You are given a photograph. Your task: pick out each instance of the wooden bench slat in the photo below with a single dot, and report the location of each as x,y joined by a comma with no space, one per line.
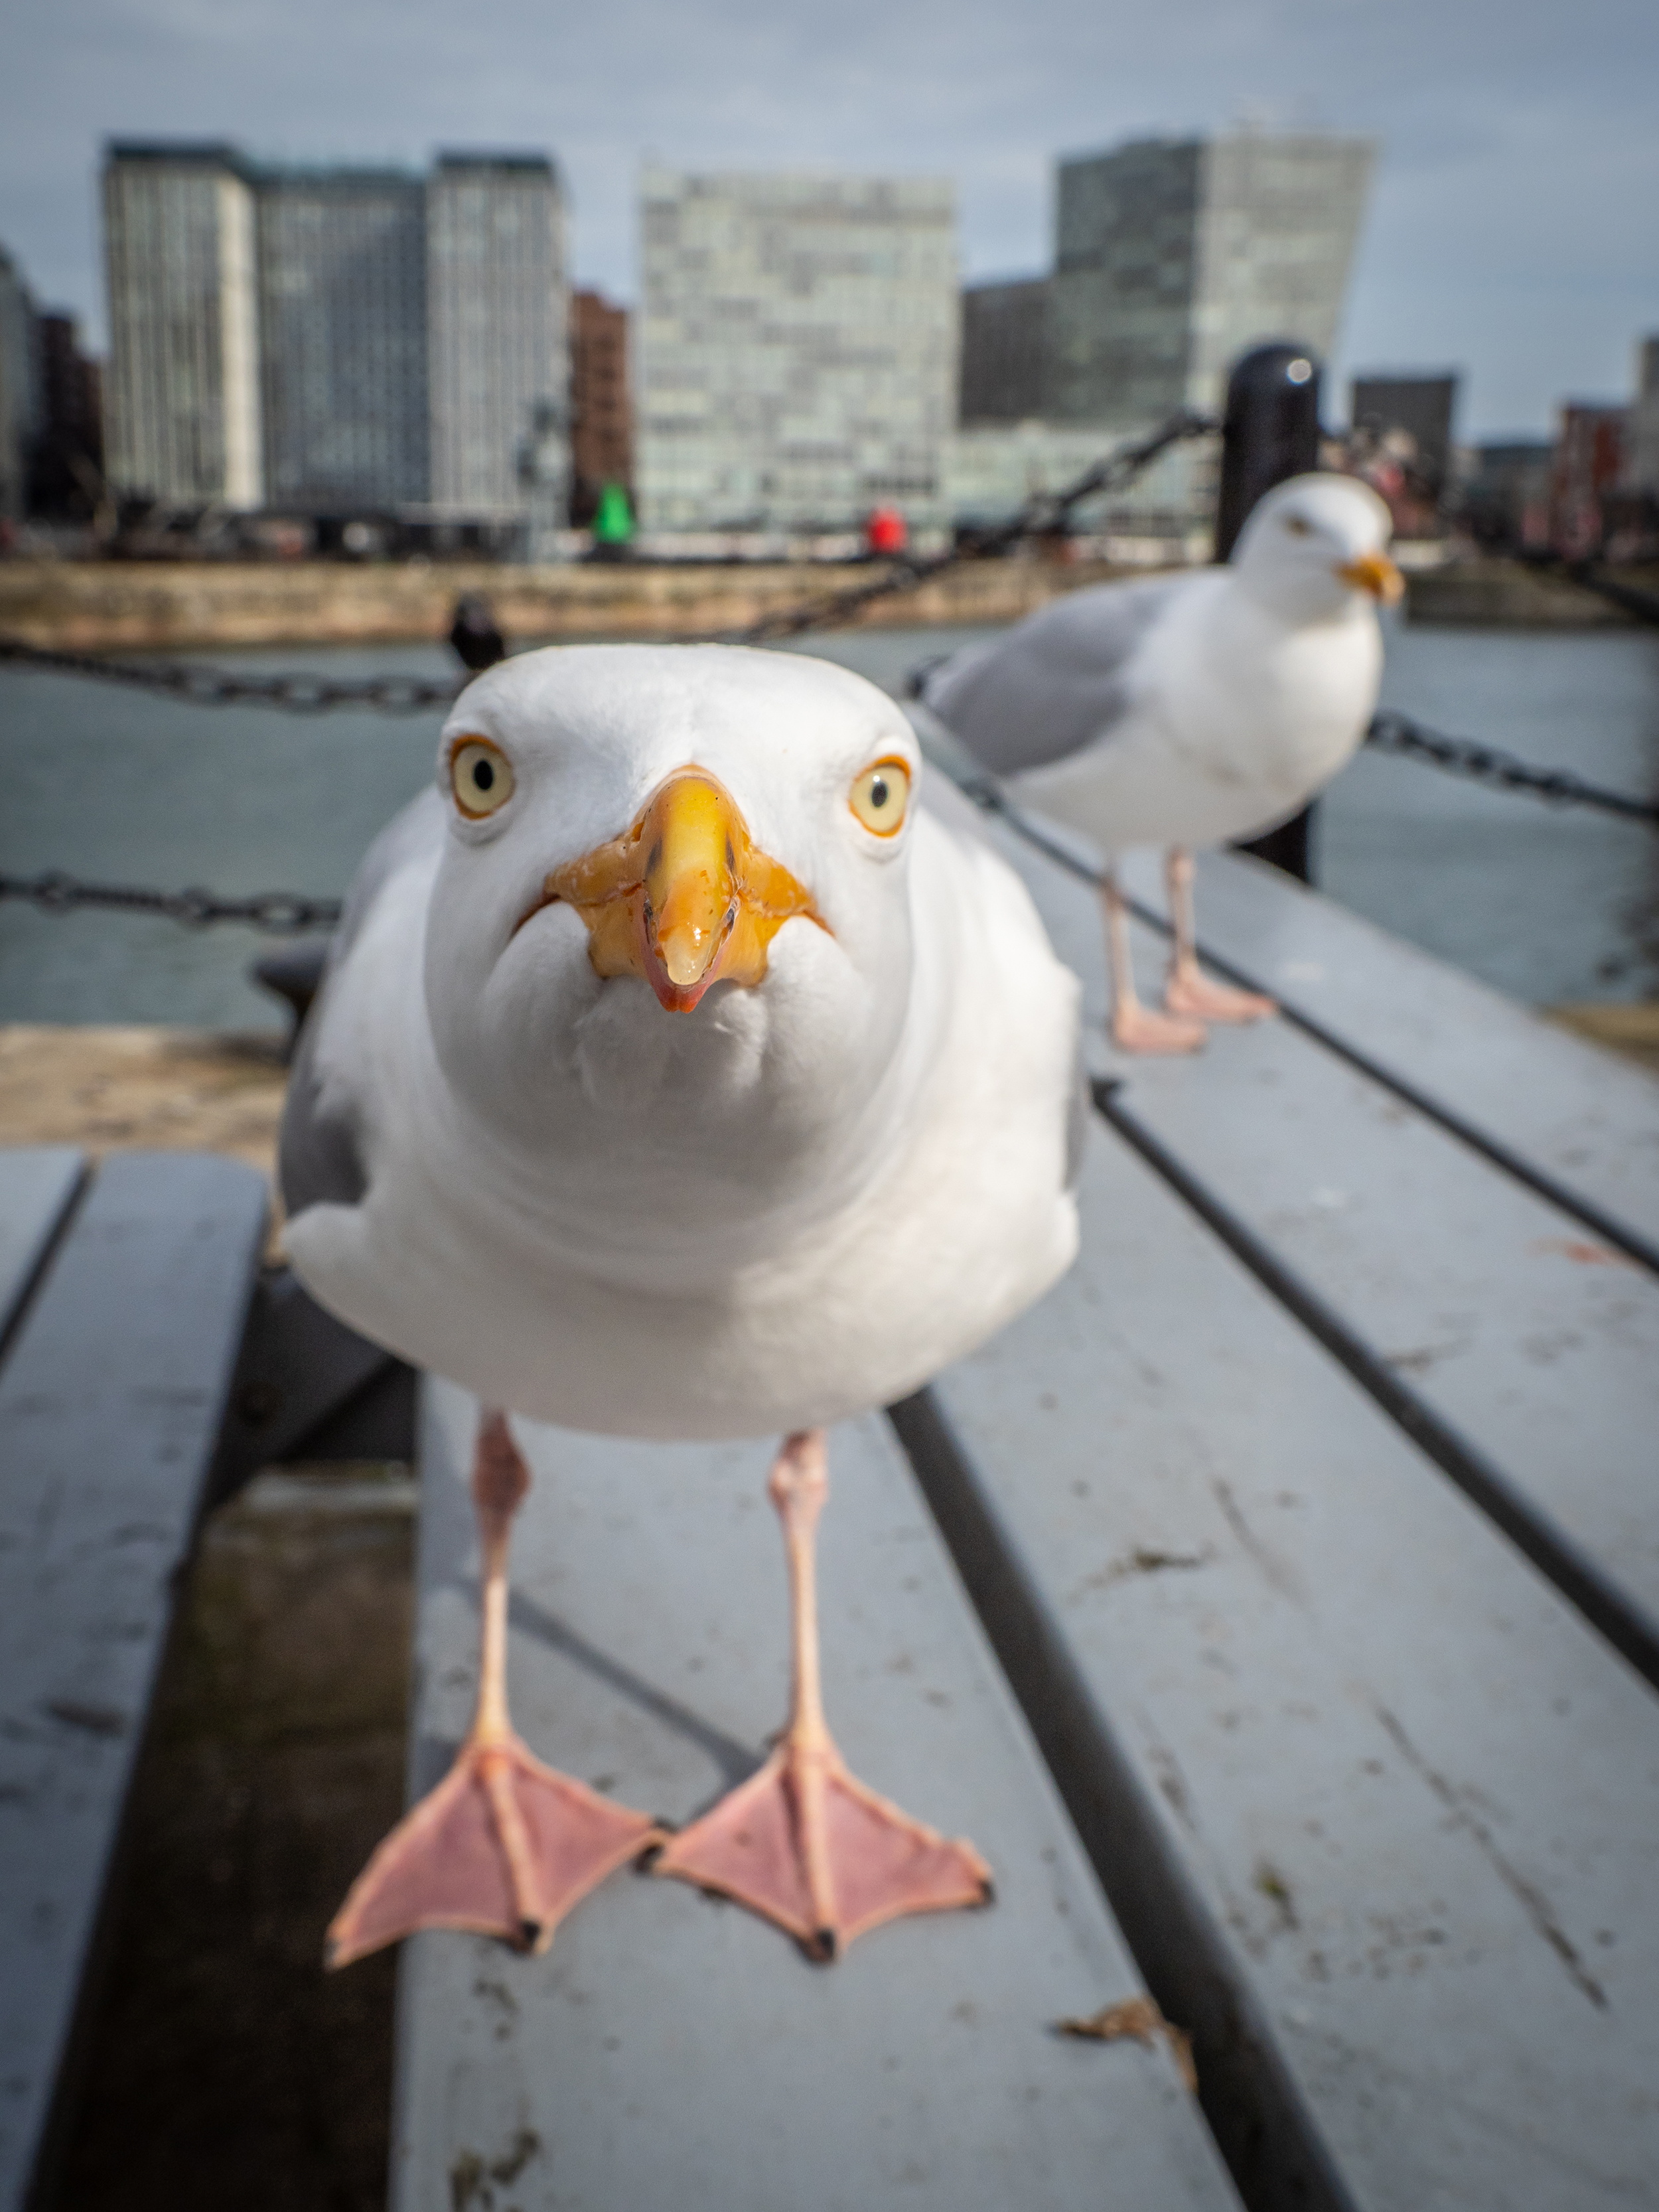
110,1403
37,1185
1278,1657
1565,1110
1529,1349
671,2050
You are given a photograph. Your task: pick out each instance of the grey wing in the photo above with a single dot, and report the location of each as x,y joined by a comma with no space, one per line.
1057,682
320,1158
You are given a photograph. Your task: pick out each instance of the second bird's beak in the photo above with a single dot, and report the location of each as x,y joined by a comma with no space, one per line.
684,897
1376,574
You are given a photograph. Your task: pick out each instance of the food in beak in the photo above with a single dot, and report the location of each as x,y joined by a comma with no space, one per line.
1376,574
684,897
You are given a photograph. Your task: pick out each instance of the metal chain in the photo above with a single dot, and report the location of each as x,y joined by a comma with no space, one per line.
278,914
1399,733
284,914
299,694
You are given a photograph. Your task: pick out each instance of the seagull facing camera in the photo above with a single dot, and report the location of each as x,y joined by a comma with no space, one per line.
1191,709
678,1073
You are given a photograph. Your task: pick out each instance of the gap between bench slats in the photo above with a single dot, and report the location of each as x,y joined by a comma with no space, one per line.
1281,1669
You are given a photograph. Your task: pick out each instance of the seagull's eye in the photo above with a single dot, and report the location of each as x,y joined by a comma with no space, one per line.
481,777
1297,525
879,796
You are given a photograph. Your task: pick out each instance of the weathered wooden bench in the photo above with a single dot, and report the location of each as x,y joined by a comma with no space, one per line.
123,1297
147,1368
1283,1630
1312,1521
1315,1518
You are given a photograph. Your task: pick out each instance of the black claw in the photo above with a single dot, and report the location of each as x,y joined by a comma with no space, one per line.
822,1947
988,1894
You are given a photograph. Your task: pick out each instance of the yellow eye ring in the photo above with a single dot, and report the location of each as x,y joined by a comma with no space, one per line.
879,796
480,777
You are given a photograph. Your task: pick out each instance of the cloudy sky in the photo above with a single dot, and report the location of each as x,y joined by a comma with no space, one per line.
1514,226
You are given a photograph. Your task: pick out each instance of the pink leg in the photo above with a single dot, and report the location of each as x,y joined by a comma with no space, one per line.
1136,1028
802,1842
504,1845
1188,990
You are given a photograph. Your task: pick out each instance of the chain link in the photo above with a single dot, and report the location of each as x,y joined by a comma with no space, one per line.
278,914
301,694
1398,733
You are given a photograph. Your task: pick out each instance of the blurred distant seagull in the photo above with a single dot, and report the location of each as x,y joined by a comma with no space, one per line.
1189,710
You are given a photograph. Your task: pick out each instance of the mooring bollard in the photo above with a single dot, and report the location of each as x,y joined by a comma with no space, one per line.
1270,431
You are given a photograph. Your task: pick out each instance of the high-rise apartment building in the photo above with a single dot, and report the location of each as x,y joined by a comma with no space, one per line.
183,413
497,306
1174,257
331,339
343,332
796,350
20,389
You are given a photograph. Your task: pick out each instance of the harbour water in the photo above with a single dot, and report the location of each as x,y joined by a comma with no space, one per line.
1549,904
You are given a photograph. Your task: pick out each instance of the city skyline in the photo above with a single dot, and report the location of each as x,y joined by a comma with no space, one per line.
1514,229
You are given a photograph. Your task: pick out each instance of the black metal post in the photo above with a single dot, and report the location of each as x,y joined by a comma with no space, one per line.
1270,432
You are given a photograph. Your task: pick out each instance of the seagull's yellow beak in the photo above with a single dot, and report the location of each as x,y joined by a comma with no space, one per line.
684,897
1376,574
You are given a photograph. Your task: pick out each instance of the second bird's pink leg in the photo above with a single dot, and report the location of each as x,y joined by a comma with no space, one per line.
504,1845
1188,989
1136,1028
802,1842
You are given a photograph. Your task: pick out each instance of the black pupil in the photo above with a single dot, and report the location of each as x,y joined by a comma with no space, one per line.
483,774
879,791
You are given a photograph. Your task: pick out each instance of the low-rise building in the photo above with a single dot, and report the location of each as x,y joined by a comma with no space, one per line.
602,414
1005,351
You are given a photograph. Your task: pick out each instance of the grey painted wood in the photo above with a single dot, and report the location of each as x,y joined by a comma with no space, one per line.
671,2051
1576,1114
1530,1348
1416,1798
110,1403
38,1184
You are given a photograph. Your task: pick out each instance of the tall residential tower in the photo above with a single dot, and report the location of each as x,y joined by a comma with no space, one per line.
343,338
183,413
497,304
1174,257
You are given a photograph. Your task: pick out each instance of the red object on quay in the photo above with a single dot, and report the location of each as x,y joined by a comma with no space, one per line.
885,532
